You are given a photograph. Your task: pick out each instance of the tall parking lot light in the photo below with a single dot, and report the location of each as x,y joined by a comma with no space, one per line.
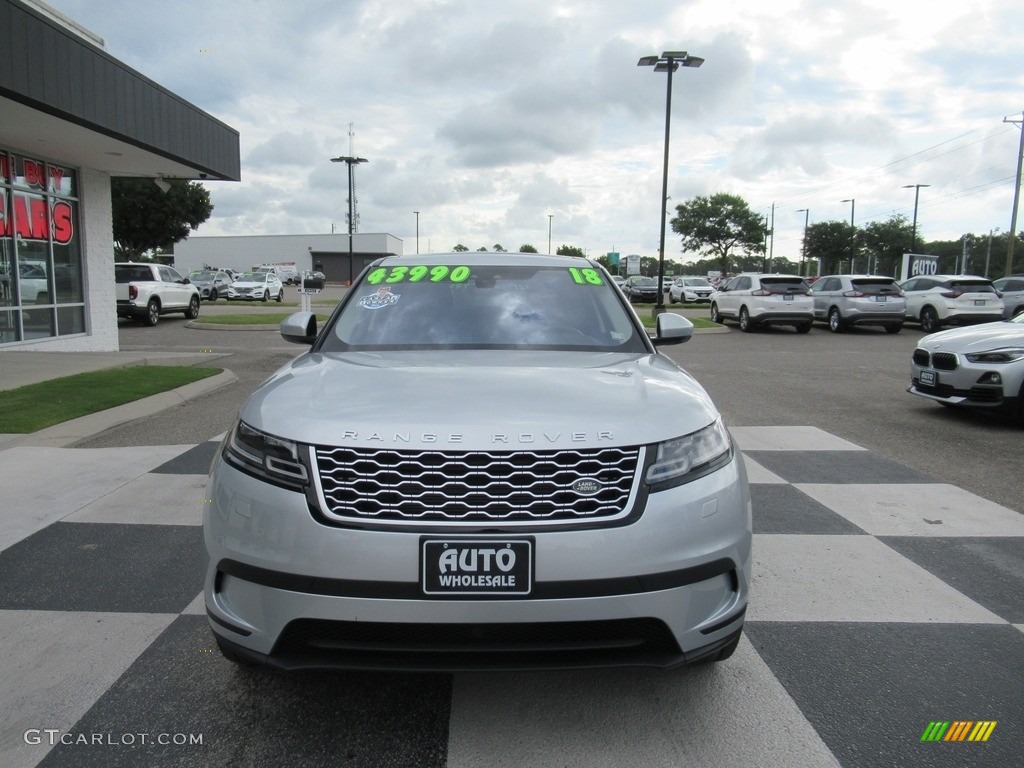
805,267
913,227
668,62
853,231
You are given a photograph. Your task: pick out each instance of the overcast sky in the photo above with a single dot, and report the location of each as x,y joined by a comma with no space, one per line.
489,116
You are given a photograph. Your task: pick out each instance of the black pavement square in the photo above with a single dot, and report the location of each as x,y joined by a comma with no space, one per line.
870,690
256,717
103,567
194,461
989,570
844,467
780,508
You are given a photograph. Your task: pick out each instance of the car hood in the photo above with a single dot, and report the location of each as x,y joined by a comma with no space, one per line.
975,338
479,400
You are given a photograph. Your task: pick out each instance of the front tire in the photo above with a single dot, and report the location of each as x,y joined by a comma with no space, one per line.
835,322
804,327
894,328
213,294
929,320
266,296
716,316
280,296
152,316
746,325
193,308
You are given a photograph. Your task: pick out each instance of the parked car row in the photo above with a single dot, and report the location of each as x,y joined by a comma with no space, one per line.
845,301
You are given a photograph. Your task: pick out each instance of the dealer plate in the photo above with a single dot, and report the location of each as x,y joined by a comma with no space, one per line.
476,566
929,379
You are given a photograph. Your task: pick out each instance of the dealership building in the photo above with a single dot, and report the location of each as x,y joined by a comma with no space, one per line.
338,257
73,117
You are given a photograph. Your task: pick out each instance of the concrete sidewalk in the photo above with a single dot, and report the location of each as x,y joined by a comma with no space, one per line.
18,369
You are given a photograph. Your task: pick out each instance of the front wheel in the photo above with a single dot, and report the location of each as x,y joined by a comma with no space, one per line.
745,324
213,294
804,327
280,296
835,322
266,296
193,308
929,320
152,316
716,316
894,328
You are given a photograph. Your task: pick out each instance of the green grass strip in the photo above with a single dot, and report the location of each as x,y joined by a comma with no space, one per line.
33,407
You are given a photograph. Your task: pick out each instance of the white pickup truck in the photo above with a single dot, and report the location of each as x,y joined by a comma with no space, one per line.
146,291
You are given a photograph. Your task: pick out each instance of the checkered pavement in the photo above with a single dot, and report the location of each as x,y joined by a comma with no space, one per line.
882,600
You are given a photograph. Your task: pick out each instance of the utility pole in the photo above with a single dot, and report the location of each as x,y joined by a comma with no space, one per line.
771,245
1016,195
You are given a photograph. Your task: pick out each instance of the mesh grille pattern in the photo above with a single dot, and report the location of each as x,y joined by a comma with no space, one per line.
922,358
476,486
944,361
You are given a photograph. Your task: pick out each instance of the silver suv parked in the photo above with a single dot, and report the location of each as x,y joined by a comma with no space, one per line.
755,299
852,300
455,476
937,300
1012,290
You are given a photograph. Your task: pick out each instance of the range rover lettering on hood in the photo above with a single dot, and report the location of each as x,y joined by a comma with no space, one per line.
507,438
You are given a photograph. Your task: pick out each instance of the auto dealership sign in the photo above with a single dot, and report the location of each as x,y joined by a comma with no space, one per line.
31,215
915,264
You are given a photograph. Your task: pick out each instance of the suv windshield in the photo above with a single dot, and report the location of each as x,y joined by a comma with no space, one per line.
875,286
128,273
972,286
484,307
783,285
697,281
202,276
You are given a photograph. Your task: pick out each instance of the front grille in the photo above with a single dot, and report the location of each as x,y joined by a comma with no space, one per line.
469,646
922,358
368,484
944,361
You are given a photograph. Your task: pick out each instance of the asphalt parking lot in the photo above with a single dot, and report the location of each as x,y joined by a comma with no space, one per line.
889,574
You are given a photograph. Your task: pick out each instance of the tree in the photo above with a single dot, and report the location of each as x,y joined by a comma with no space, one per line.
570,250
714,225
498,248
482,249
527,248
145,217
886,242
460,248
830,242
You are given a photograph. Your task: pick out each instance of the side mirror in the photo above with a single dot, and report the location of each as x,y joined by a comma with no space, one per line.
672,329
186,281
299,328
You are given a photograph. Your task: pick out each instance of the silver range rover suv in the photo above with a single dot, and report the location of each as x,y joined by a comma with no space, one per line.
481,463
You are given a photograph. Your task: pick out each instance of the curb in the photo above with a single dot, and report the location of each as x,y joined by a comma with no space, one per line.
69,433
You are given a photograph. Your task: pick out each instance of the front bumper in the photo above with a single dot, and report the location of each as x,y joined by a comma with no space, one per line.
668,589
969,385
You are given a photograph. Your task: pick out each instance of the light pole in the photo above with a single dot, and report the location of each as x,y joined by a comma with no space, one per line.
913,227
350,161
853,231
1016,197
988,256
805,267
550,217
668,62
417,231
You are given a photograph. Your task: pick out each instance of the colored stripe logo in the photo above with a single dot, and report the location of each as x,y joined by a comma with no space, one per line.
958,730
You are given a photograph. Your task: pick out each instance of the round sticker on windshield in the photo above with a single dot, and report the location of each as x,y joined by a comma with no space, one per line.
383,297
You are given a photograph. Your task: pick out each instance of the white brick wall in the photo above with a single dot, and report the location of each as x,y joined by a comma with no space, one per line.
97,242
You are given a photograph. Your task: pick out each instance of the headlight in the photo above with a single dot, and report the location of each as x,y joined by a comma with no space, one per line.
689,457
1008,355
270,458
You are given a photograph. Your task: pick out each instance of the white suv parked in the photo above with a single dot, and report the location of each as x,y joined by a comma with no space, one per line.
754,299
937,300
690,289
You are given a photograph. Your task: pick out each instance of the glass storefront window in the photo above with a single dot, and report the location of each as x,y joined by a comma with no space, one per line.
40,251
